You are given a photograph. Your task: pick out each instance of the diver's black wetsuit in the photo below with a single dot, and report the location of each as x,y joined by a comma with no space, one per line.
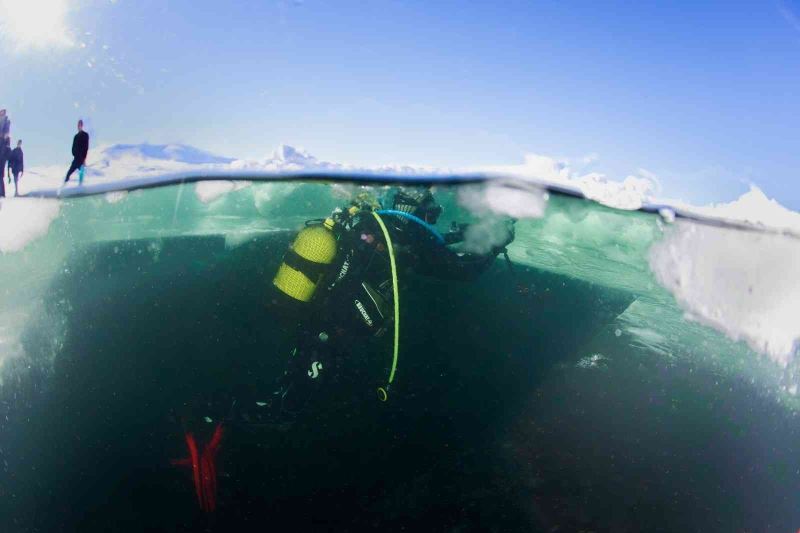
355,302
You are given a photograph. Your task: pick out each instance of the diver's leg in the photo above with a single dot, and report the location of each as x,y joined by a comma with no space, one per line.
308,367
305,373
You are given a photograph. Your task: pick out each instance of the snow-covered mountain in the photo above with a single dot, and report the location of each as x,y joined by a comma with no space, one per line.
161,152
138,160
118,161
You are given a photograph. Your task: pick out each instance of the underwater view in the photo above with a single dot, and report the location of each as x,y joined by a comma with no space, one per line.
348,353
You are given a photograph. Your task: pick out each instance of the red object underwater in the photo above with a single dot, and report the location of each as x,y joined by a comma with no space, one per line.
204,468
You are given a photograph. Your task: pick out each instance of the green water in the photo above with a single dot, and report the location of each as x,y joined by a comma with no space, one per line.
566,391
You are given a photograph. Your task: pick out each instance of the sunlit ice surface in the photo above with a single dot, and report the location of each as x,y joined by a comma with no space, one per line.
35,24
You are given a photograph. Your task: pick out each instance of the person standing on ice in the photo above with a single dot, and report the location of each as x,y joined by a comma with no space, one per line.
16,166
5,125
80,149
5,153
5,146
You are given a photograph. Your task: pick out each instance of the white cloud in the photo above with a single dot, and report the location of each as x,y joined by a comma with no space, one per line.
35,24
588,159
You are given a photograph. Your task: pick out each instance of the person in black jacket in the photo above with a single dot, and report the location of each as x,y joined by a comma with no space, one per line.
5,146
16,166
80,149
5,153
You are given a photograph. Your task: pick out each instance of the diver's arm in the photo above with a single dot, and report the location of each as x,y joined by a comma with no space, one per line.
445,263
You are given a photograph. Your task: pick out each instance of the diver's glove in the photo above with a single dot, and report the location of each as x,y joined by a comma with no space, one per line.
456,233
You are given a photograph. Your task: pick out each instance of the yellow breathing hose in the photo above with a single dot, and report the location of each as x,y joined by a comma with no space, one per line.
383,391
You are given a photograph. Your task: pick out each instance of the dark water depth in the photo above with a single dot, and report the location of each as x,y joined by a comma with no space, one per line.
490,425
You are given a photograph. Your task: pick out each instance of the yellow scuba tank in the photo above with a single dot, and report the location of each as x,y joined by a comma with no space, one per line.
307,259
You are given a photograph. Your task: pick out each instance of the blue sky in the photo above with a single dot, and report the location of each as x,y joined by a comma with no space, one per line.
704,96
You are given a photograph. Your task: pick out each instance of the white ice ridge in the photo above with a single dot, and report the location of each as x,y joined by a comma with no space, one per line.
23,220
753,207
743,283
631,193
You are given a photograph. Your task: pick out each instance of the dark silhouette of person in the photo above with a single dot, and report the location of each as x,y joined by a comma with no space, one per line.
16,166
80,149
5,124
5,153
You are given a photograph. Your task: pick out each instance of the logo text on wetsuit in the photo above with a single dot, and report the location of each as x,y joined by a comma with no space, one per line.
363,312
315,368
343,271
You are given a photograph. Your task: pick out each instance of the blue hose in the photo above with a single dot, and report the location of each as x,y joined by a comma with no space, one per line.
433,231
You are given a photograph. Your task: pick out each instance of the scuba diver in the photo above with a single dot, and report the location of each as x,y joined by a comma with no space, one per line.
339,284
338,292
